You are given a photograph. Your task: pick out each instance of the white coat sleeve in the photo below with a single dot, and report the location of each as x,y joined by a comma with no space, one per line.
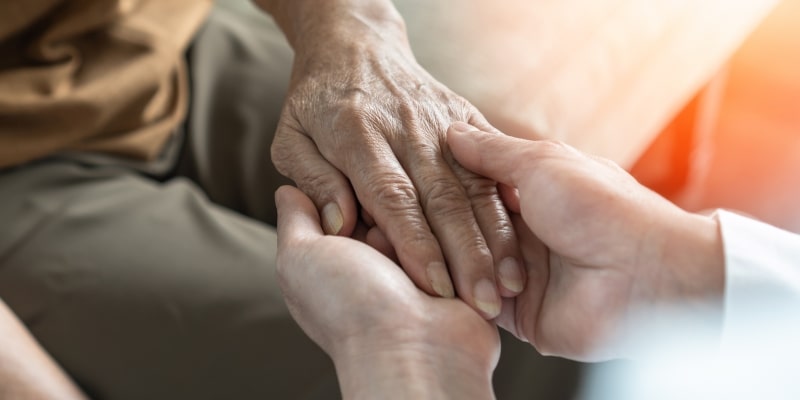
762,274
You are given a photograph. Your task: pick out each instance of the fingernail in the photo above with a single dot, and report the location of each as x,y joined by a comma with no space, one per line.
332,219
510,275
440,280
462,127
486,298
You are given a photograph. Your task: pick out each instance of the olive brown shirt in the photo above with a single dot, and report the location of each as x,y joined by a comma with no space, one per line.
93,75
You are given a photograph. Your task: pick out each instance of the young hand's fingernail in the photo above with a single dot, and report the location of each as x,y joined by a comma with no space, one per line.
332,219
508,271
486,298
440,280
462,127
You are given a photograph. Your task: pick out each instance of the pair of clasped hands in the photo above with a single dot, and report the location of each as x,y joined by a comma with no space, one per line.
593,245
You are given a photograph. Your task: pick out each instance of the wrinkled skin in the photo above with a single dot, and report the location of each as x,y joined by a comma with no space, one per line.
364,125
365,312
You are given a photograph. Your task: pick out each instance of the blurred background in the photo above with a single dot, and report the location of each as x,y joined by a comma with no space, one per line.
699,100
748,159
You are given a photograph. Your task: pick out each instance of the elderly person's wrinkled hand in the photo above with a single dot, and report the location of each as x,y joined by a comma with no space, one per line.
365,125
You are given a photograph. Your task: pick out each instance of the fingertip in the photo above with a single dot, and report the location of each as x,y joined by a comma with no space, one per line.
487,298
459,127
340,214
280,194
458,135
463,145
424,263
495,156
439,279
511,276
283,205
297,214
285,198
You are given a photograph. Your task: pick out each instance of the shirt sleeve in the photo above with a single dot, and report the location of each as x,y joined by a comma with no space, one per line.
762,274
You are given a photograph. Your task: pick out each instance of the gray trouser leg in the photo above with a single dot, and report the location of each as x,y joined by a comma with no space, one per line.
147,290
144,290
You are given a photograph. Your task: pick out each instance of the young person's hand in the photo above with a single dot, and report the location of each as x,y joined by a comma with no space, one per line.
597,245
385,335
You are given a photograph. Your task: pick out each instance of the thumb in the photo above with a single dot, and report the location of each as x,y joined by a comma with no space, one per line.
297,217
498,157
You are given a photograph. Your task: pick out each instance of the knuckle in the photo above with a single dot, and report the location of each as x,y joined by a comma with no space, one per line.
491,212
445,201
426,120
473,262
365,127
392,192
355,112
295,105
281,153
479,254
423,146
415,240
503,233
479,188
495,223
461,109
489,205
351,112
444,198
313,182
395,198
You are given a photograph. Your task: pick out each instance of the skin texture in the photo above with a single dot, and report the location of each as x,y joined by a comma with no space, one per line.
363,133
597,245
385,335
26,371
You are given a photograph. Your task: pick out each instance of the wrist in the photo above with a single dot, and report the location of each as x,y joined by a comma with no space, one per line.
409,370
687,264
677,297
696,255
313,25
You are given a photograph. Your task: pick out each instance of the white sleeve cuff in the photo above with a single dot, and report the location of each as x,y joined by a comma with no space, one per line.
762,275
